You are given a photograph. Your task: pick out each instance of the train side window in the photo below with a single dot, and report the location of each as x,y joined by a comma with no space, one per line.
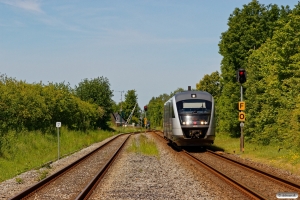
172,110
179,105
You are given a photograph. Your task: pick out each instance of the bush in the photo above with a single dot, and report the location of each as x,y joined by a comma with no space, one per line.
38,107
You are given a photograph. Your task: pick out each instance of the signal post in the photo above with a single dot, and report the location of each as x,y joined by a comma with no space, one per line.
145,119
241,78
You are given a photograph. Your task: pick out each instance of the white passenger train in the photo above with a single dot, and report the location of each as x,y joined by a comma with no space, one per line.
189,119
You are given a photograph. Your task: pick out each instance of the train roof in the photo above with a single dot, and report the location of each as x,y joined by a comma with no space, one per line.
188,95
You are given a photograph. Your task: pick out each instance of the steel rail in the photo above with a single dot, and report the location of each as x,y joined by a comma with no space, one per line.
284,182
289,184
241,187
36,187
88,190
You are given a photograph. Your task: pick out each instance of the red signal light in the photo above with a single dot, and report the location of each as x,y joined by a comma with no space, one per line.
241,76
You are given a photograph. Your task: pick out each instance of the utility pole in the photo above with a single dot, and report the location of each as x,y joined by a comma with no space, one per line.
121,107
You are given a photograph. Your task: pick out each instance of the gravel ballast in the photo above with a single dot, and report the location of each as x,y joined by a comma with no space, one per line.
169,176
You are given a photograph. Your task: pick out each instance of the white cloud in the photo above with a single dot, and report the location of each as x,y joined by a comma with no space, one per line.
29,5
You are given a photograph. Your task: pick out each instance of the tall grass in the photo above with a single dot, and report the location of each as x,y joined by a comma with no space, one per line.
274,155
128,129
20,152
143,145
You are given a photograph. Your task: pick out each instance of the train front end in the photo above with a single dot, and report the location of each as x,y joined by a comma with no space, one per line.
195,122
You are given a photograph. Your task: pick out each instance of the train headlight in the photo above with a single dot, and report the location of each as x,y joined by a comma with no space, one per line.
206,122
202,122
187,123
183,123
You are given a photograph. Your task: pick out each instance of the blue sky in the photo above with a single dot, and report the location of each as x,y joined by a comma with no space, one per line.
151,46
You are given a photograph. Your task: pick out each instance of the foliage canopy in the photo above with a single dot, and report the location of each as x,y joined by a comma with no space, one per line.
248,29
97,91
39,107
128,105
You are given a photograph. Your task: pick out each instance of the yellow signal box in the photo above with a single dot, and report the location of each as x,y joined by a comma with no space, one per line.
242,105
242,116
145,120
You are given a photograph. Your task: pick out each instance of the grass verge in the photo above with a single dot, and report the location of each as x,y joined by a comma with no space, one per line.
274,155
128,129
20,152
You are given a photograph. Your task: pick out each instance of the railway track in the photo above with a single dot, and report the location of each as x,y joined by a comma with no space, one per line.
77,180
254,183
289,184
257,181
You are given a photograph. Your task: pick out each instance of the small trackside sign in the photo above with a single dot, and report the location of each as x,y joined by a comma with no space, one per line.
242,116
242,105
58,124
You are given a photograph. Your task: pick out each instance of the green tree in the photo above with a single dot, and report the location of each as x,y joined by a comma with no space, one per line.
248,29
128,105
156,107
97,91
211,84
176,91
25,106
116,107
273,86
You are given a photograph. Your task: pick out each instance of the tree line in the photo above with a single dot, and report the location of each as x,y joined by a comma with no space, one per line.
38,106
156,108
264,40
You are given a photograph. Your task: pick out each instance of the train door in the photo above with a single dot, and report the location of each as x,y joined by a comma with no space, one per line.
165,121
170,119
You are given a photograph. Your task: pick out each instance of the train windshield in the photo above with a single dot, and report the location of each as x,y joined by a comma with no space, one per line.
194,111
194,106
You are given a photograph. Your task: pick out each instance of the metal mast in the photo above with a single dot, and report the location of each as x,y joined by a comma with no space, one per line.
129,118
121,106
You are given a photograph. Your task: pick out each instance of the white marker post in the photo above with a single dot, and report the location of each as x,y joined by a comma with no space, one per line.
58,125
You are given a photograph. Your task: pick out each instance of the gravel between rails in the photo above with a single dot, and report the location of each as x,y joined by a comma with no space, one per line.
136,176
